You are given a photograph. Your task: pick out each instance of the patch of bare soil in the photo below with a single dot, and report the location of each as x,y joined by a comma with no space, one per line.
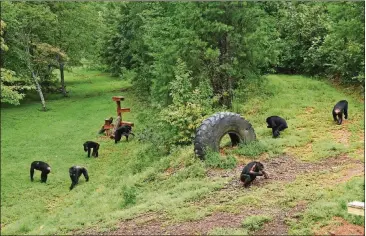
278,225
282,169
341,227
342,136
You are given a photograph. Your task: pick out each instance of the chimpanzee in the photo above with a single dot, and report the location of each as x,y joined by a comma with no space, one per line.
42,166
251,171
124,130
338,110
88,145
277,124
75,173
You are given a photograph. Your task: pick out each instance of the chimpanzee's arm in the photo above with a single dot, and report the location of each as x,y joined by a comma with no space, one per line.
265,174
85,173
31,172
253,172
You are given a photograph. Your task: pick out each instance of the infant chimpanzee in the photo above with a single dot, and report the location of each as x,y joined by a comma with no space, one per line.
251,171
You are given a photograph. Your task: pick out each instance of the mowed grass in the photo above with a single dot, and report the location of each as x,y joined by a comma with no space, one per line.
119,185
132,178
307,105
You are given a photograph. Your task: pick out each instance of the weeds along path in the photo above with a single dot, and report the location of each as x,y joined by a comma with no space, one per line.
273,197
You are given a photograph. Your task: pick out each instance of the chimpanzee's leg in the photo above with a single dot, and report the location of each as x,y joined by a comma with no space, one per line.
247,179
89,151
340,118
346,111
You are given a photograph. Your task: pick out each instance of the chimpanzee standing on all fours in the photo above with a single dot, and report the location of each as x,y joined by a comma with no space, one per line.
88,145
75,172
251,171
338,110
124,130
277,124
42,166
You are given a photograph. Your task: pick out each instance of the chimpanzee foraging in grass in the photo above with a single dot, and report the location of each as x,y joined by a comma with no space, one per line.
124,130
251,171
42,166
338,110
88,145
75,173
277,124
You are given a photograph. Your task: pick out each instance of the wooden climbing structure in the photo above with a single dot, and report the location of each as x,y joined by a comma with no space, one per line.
108,126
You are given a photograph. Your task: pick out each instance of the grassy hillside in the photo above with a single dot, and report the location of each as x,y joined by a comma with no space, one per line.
131,179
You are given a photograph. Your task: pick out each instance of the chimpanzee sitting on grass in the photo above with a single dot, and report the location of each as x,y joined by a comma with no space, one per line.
338,110
277,124
42,166
251,171
75,173
88,145
124,130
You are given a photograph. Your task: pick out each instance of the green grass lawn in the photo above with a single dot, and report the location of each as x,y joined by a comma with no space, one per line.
130,178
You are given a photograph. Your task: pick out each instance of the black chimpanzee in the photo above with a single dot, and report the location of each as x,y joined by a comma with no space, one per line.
277,124
338,110
42,166
251,171
75,173
124,130
88,145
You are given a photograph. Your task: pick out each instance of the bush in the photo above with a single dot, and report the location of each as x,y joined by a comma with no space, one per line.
214,160
129,196
189,107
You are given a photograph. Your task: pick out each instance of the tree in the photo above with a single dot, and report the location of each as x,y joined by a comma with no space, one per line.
12,87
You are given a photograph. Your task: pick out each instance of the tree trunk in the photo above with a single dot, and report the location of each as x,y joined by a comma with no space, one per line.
63,88
224,78
39,90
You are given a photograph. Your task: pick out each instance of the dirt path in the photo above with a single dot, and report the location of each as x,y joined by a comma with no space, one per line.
282,169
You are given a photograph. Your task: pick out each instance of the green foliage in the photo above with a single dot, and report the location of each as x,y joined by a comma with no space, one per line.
215,160
323,39
253,223
189,106
251,149
210,38
11,87
129,196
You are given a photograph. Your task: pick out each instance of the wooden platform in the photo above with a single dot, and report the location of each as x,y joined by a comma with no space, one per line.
356,208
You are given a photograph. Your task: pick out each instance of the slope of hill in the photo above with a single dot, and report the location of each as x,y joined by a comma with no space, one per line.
316,167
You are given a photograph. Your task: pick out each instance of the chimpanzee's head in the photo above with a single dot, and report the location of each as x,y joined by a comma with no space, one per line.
85,147
259,166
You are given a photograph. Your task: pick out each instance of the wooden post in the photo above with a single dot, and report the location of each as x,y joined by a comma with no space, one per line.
356,208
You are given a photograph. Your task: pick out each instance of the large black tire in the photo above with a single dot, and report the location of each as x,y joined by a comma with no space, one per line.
212,129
